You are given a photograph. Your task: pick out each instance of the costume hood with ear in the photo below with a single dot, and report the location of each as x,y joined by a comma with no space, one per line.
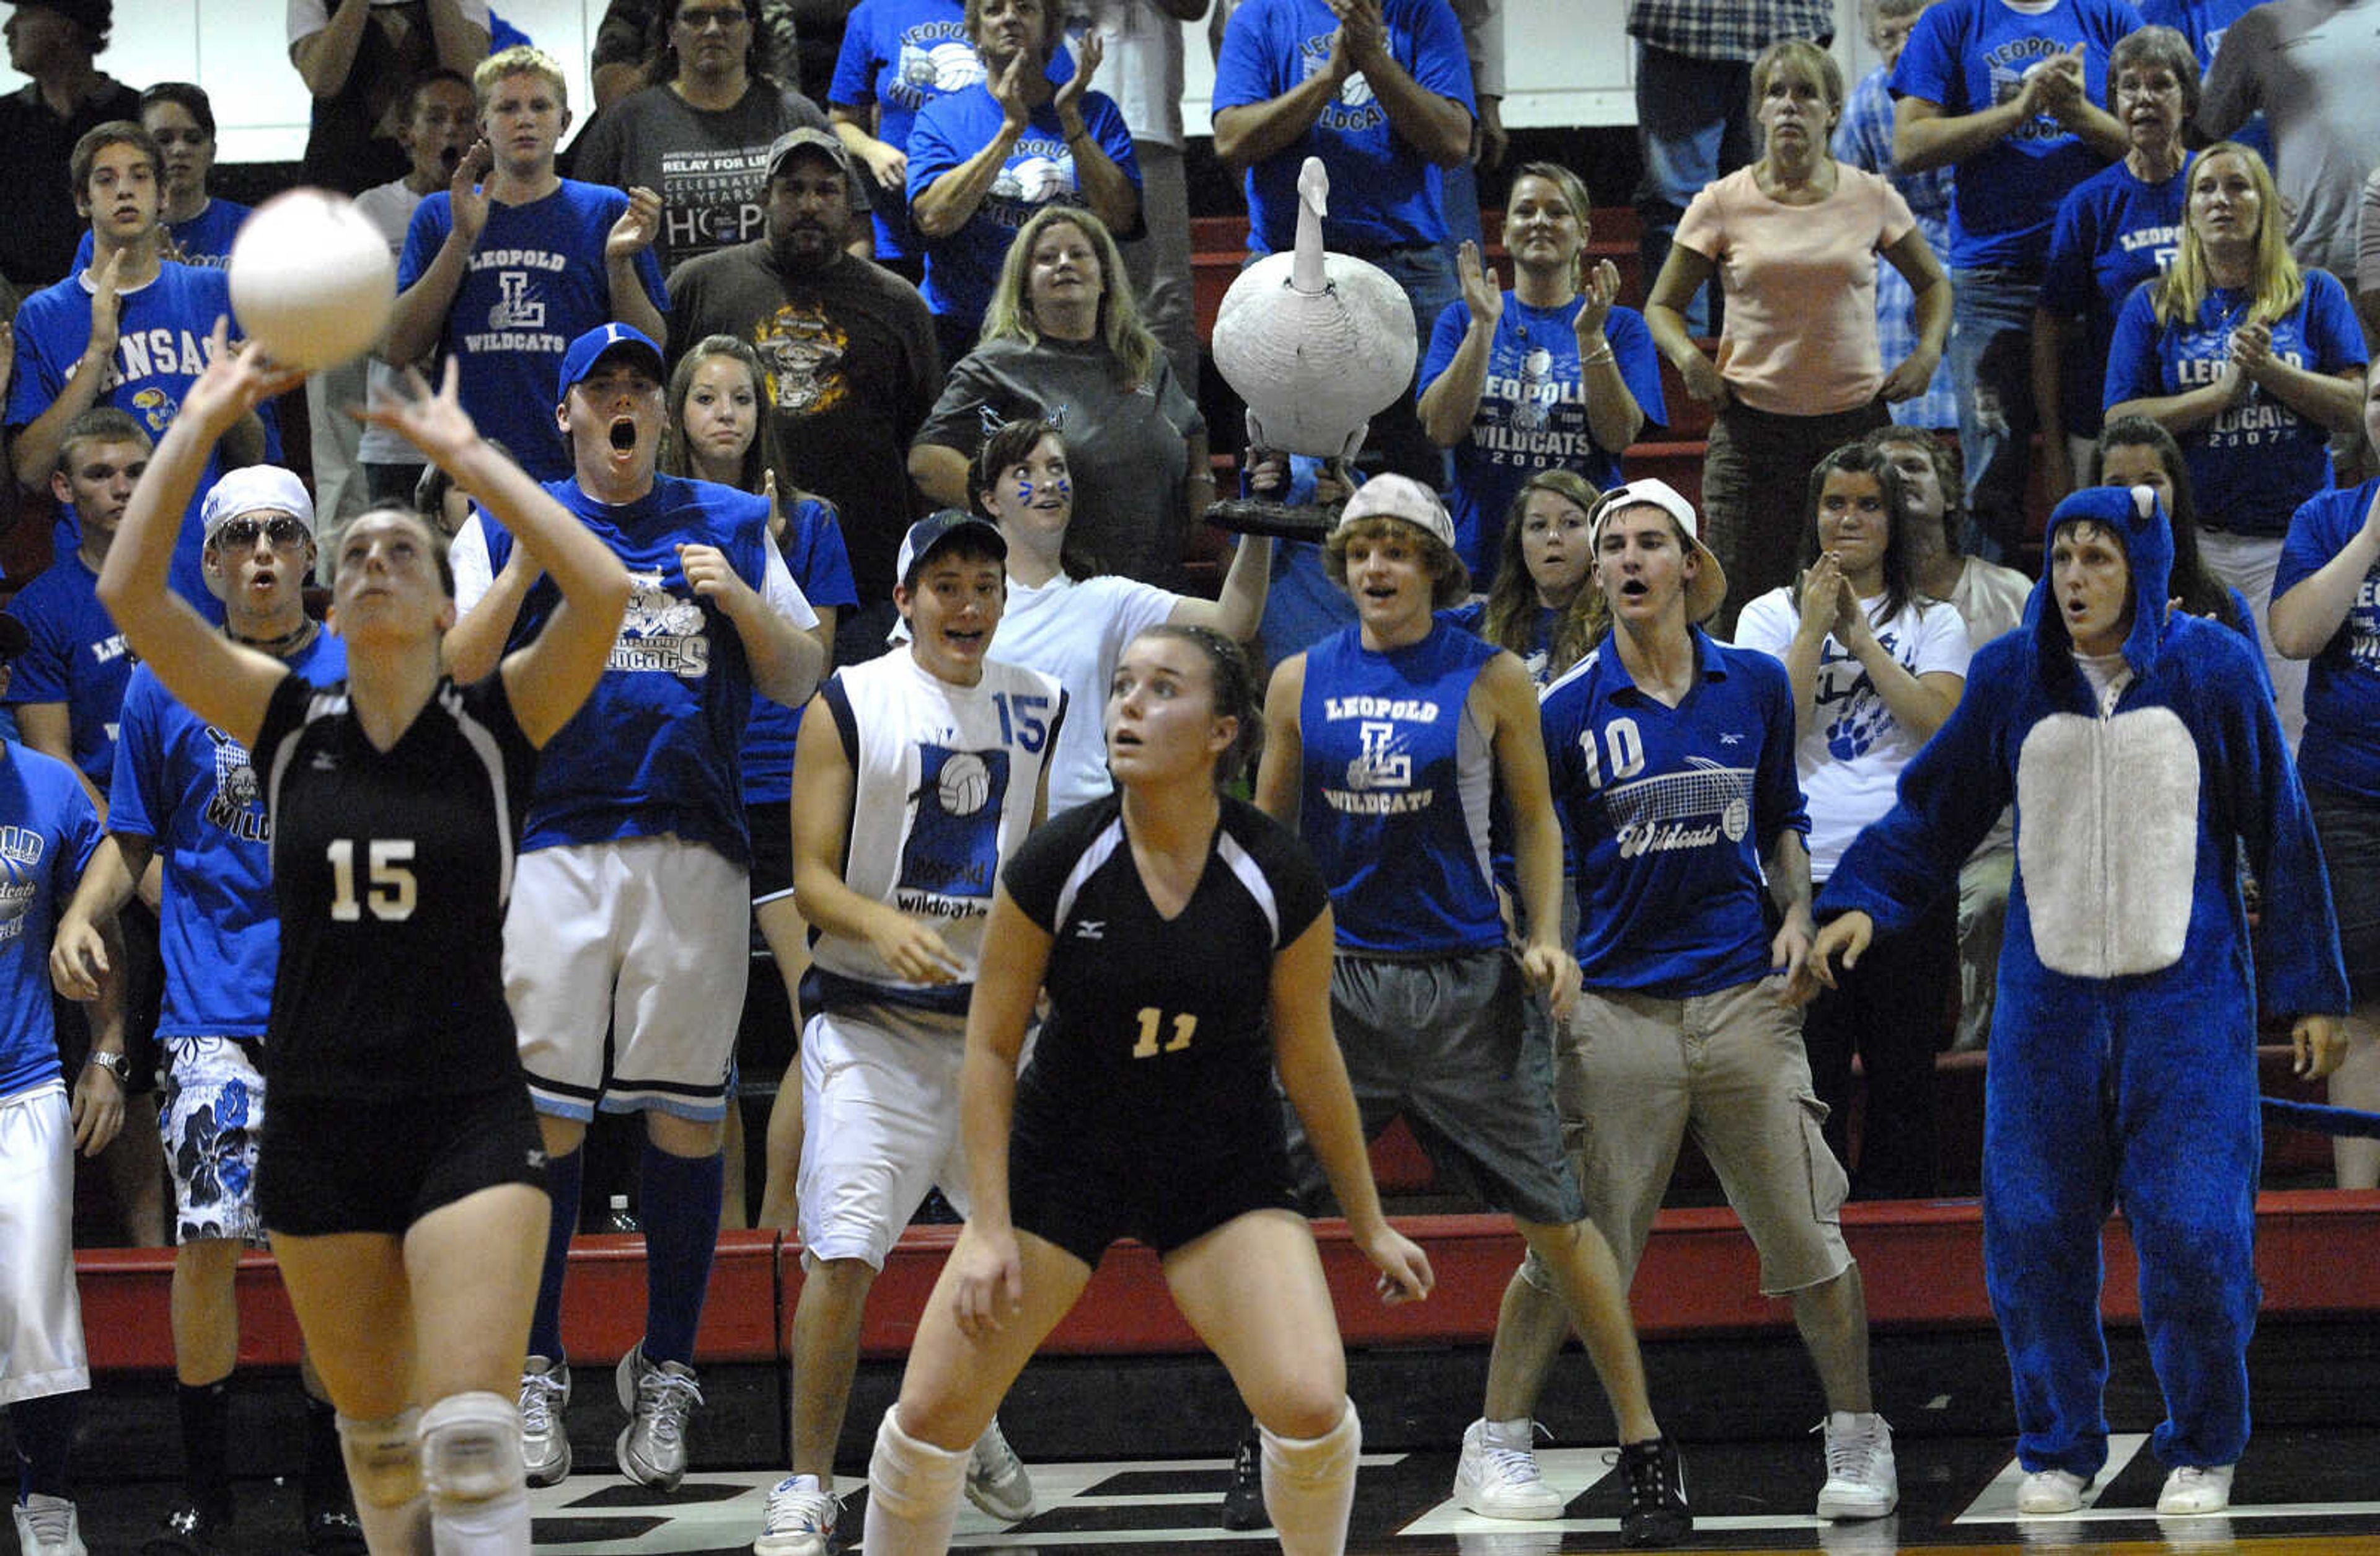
2123,1037
2139,523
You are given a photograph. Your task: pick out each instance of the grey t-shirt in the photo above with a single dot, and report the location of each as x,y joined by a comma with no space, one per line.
710,168
1127,448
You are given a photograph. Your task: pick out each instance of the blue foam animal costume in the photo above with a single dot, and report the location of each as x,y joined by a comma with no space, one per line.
2123,1062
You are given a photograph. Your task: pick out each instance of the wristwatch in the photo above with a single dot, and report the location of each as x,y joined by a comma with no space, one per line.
115,1064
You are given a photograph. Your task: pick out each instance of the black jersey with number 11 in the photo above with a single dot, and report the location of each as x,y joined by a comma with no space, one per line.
1158,1027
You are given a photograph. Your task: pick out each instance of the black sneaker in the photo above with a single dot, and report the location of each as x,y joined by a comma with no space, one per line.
1657,1512
189,1530
1243,1505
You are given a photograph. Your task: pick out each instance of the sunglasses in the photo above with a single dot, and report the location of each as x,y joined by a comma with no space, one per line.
239,534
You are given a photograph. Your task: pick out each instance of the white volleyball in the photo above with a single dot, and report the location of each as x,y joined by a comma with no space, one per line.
312,279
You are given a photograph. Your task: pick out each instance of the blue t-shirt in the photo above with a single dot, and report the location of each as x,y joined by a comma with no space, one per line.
188,787
204,239
535,282
48,827
1532,412
2341,747
76,657
656,748
2203,22
2113,232
1965,56
1393,800
961,268
900,56
205,243
2253,464
1384,193
162,332
1668,812
815,556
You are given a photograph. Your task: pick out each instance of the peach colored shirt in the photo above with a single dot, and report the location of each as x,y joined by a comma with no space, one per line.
1800,283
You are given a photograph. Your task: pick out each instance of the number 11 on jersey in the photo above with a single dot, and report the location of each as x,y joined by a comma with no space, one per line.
1152,1022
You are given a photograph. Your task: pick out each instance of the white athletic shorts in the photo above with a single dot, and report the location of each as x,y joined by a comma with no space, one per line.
880,1127
41,1316
212,1120
645,940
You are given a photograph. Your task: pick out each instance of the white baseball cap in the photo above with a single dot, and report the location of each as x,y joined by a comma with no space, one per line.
1395,496
1709,589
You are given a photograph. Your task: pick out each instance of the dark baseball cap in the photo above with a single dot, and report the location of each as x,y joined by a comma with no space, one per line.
808,138
599,343
938,530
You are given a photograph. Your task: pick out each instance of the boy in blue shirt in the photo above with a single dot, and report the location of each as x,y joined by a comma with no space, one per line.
51,828
505,268
631,899
129,332
1672,759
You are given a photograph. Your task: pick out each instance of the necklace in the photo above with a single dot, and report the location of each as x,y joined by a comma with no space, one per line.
279,647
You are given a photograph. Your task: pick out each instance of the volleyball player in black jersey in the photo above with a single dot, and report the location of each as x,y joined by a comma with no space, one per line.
400,1173
1148,1110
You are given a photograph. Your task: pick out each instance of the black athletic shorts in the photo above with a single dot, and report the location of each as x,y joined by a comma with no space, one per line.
1083,1200
329,1165
771,826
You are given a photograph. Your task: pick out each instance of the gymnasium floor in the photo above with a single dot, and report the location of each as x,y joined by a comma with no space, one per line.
2307,1492
2309,1485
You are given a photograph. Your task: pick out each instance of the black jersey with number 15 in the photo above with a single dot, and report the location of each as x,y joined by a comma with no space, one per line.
391,869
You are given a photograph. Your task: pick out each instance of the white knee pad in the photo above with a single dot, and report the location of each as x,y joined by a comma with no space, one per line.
912,1478
383,1458
471,1448
1309,1461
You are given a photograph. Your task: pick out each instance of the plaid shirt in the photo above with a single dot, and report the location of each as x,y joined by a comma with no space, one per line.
1731,29
1864,140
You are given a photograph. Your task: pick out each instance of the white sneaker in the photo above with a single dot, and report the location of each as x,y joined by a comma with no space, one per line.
996,1480
658,1398
1860,1482
2051,1491
1497,1476
48,1526
545,1440
800,1520
2196,1488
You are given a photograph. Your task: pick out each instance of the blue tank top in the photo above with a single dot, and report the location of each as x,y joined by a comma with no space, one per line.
1395,793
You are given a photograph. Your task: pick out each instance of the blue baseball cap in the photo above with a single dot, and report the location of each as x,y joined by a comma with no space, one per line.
599,343
936,529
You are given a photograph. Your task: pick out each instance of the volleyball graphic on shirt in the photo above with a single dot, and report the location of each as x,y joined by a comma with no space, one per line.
950,851
946,67
963,785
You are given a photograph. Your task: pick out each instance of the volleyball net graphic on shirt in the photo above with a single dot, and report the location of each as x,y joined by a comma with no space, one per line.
1707,802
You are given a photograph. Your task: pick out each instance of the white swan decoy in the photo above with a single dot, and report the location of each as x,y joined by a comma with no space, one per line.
1314,343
